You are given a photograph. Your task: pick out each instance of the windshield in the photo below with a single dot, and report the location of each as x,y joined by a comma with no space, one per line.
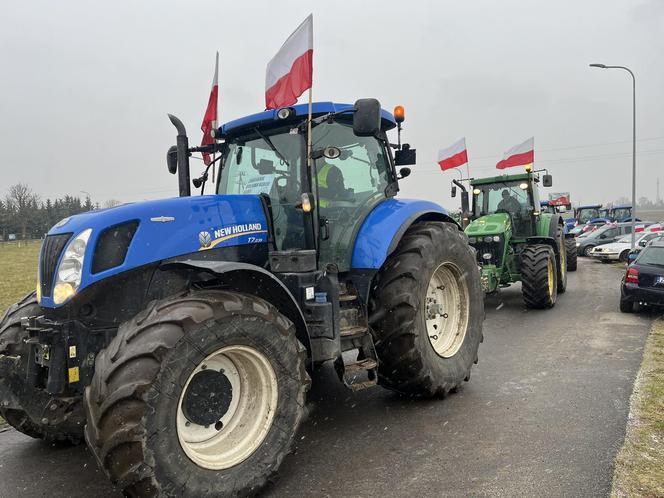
625,240
621,213
587,214
506,197
268,162
652,255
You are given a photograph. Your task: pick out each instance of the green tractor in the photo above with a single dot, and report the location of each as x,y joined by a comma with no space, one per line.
514,240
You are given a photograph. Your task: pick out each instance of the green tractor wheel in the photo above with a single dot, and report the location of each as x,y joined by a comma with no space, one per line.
539,276
562,261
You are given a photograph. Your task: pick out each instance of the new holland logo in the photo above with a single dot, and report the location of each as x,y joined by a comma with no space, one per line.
205,239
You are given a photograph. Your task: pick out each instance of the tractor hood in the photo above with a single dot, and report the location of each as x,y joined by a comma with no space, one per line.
149,232
491,224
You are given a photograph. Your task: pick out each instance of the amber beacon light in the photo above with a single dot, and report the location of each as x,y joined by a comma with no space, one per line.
399,114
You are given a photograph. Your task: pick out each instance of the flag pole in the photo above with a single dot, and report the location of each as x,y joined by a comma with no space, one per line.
309,160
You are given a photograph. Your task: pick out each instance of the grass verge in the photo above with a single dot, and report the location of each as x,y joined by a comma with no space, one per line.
18,264
639,470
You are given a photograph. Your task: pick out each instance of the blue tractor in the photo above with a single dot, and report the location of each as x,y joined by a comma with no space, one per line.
178,336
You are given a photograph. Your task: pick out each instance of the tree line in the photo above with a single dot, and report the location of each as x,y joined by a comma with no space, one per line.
24,215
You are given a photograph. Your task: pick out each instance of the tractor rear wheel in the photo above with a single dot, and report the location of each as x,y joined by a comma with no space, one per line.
29,410
572,253
426,312
562,261
539,284
197,394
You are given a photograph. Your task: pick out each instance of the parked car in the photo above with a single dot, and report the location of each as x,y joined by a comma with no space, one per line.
619,250
643,282
604,235
643,243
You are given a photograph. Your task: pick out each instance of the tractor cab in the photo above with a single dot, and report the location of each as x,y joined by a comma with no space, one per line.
318,205
515,196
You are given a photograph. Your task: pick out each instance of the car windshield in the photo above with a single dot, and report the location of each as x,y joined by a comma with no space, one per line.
509,196
652,255
625,240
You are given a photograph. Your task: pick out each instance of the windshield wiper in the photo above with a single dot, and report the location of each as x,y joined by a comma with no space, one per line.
271,145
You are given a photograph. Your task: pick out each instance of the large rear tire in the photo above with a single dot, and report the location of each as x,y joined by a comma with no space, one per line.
426,312
562,261
572,253
197,394
29,410
539,284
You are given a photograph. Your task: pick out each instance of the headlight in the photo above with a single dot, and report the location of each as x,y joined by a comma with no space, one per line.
488,238
496,238
471,240
578,244
70,270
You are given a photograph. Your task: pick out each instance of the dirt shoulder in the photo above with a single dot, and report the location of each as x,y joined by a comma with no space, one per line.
639,466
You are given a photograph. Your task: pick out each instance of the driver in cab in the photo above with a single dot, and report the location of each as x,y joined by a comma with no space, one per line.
509,203
331,185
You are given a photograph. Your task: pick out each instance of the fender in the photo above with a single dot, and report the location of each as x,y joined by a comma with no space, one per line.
252,279
549,241
383,228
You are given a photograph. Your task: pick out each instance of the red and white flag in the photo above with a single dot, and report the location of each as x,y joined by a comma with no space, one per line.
210,118
455,155
290,72
519,155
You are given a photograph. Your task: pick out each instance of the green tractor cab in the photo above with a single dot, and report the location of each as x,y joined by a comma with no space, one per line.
515,241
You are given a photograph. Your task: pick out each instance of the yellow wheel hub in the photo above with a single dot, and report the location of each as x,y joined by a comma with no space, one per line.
551,279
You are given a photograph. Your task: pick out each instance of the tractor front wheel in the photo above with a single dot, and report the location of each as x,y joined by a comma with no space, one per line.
539,282
426,311
32,411
197,394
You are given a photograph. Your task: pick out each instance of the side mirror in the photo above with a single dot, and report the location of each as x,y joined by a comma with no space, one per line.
465,205
172,159
453,190
366,119
547,180
642,243
403,173
405,157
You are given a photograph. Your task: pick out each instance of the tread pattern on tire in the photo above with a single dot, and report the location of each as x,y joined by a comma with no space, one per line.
534,276
119,395
394,309
572,254
11,342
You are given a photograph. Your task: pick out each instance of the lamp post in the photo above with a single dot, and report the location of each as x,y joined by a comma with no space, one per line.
603,66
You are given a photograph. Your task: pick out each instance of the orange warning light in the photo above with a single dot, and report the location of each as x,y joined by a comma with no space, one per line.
399,114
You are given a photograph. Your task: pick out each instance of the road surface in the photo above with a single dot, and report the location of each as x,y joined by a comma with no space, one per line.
543,415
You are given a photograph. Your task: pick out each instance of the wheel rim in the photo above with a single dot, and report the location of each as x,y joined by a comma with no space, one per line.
246,415
446,310
550,276
563,259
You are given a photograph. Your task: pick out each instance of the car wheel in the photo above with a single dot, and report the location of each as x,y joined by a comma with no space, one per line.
587,250
624,256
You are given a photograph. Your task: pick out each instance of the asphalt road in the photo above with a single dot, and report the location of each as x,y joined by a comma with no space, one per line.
543,415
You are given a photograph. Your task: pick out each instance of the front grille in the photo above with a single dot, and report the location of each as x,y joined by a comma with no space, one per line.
493,248
48,260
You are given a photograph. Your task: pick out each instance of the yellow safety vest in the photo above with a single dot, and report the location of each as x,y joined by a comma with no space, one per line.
322,183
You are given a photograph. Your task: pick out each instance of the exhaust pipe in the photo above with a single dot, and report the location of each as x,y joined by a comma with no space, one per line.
182,157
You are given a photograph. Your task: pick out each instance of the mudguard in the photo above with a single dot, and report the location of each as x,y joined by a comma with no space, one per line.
251,279
383,228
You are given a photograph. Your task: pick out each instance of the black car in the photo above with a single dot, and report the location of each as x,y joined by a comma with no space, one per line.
643,282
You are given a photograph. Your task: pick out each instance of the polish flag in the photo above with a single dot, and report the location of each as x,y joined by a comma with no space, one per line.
210,118
290,72
519,155
454,156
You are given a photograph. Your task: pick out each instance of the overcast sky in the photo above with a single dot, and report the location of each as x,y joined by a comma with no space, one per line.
86,85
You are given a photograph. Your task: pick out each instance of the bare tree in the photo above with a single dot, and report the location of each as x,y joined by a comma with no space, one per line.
111,203
21,202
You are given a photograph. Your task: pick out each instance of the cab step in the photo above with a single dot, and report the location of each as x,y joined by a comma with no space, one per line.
353,331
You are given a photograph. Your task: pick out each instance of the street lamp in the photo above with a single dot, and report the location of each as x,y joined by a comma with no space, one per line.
603,66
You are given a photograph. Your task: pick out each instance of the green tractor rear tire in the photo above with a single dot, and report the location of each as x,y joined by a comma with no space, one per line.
539,276
32,411
426,312
198,394
572,253
562,261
